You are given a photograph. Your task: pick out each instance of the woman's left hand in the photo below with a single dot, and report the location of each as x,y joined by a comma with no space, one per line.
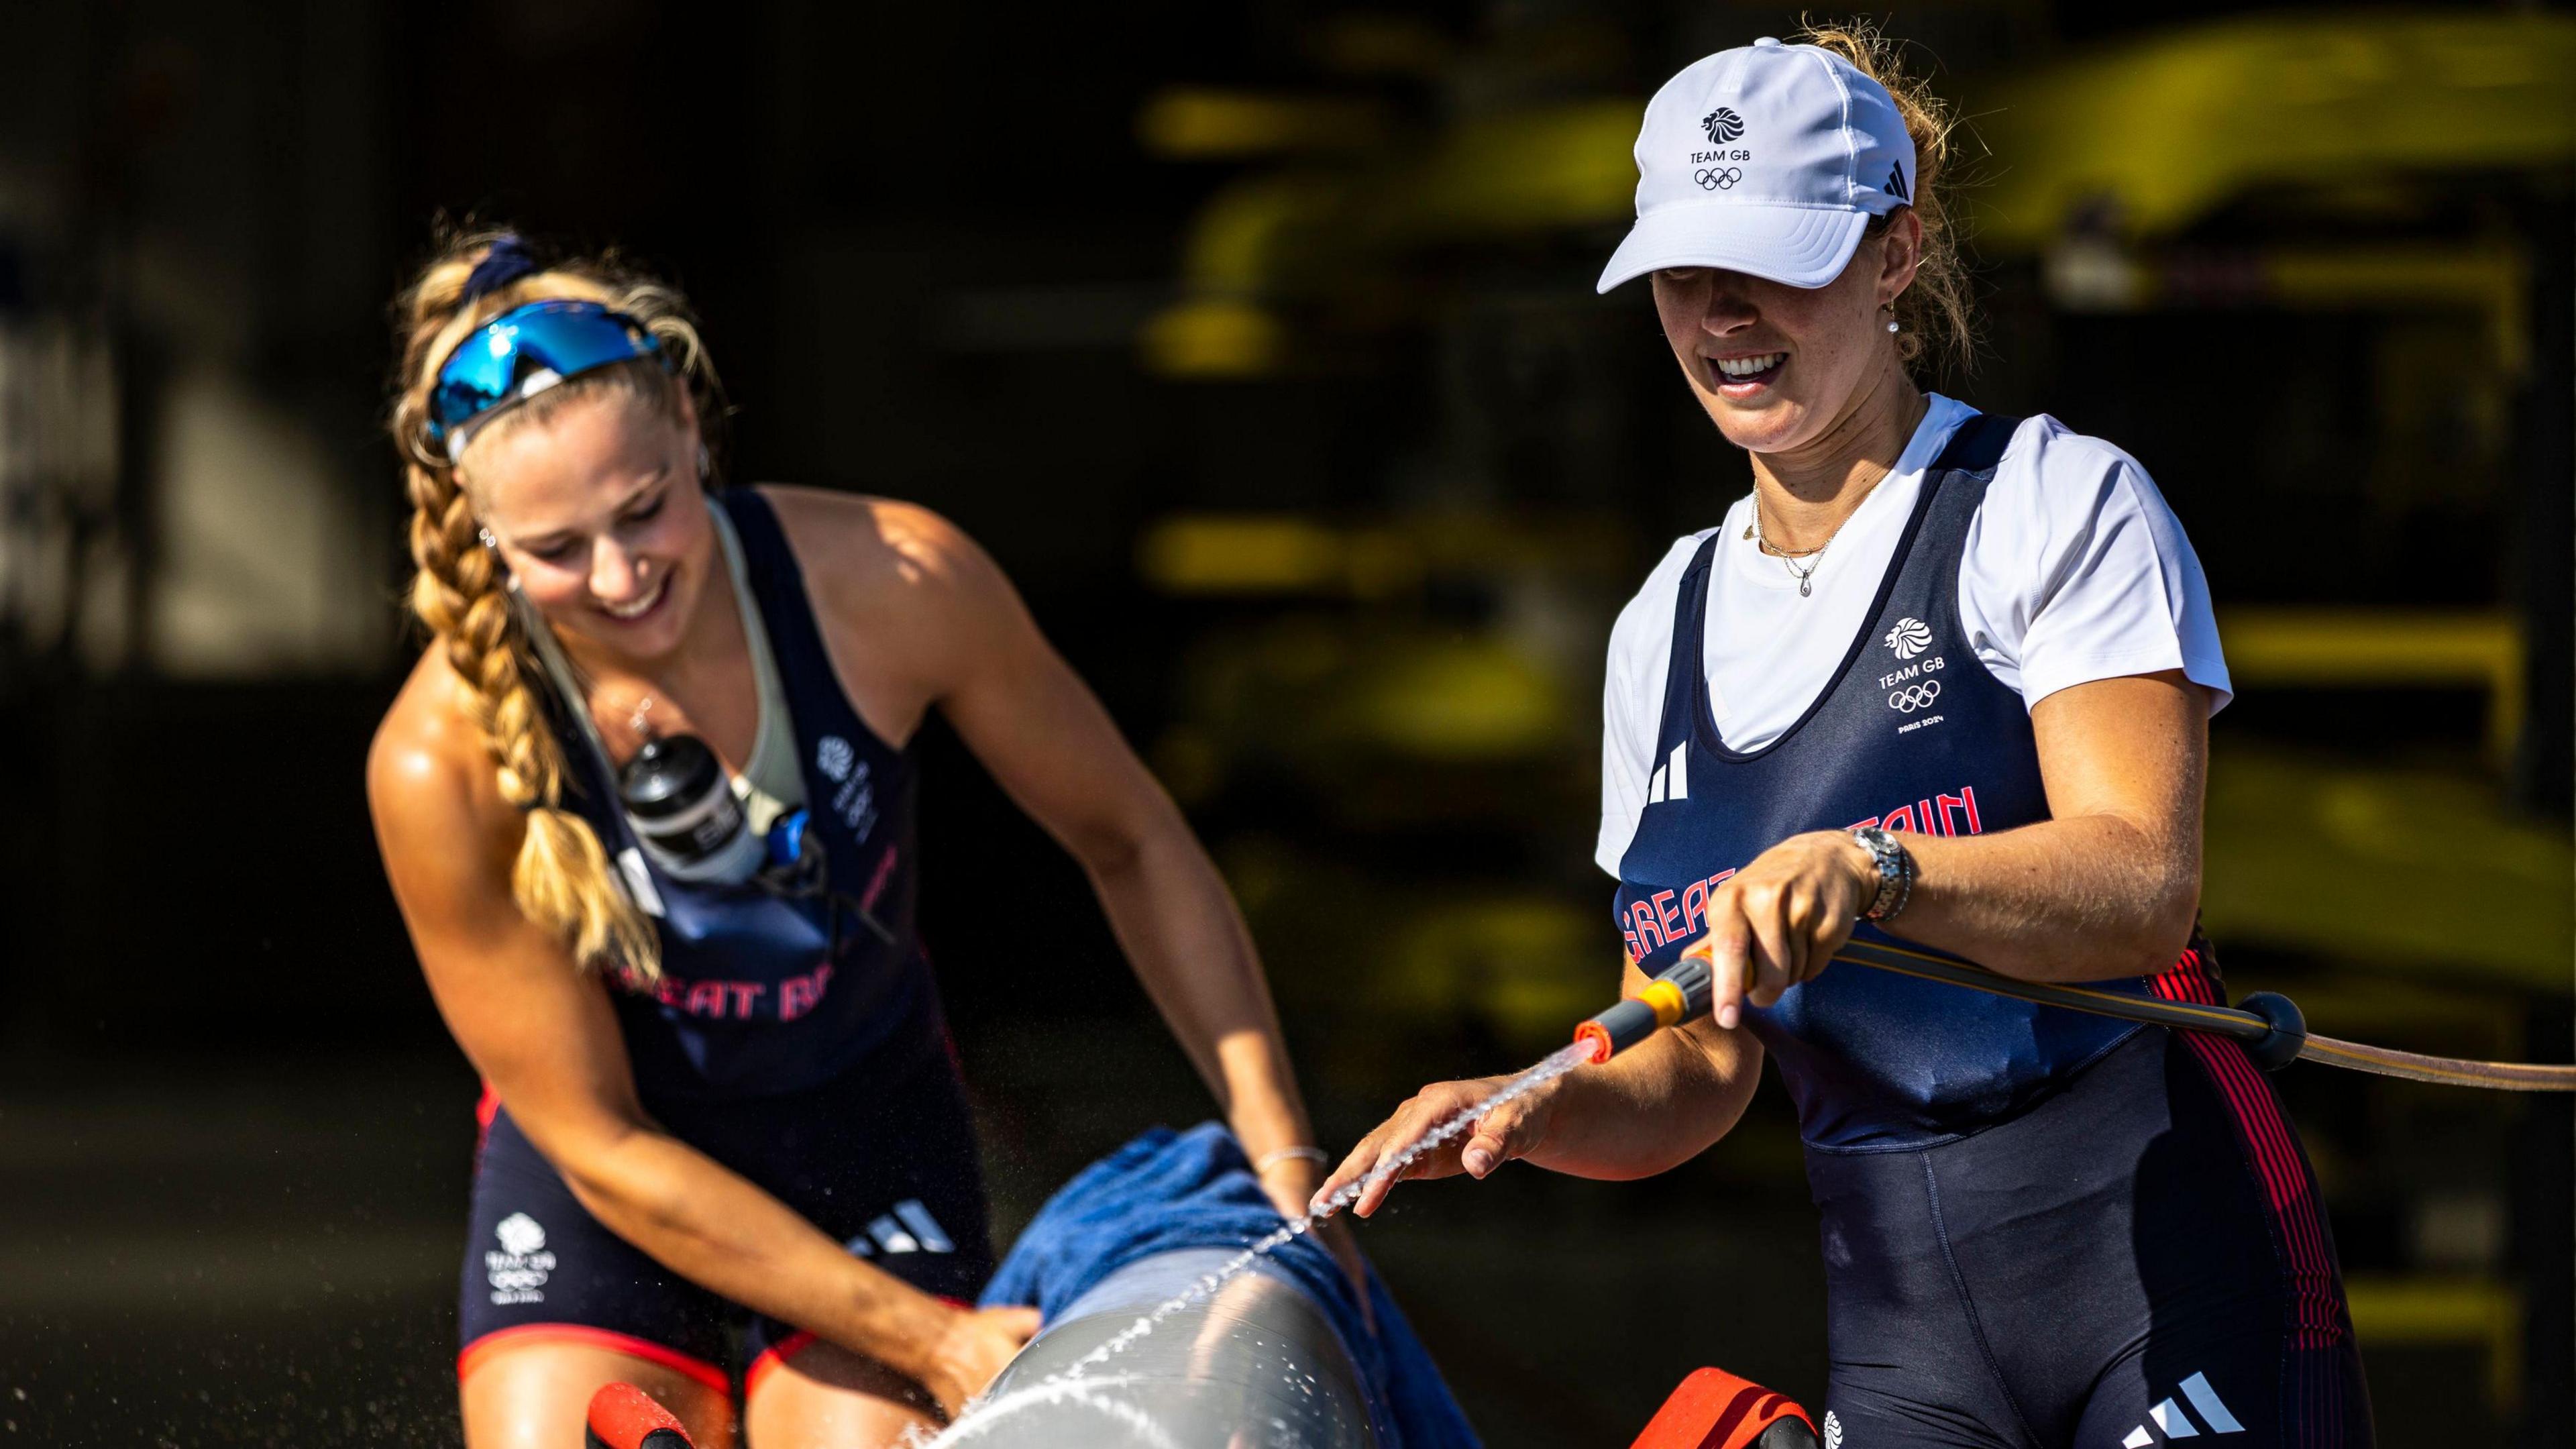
1291,1184
1778,921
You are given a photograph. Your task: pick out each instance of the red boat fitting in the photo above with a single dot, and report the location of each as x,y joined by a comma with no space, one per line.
1713,1409
623,1416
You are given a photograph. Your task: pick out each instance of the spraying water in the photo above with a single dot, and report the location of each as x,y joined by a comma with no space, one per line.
1057,1389
1070,1383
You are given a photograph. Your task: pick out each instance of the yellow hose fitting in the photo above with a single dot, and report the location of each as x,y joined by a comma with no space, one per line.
1672,998
1666,999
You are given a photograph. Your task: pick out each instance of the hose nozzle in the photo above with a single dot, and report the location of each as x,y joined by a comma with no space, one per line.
1678,994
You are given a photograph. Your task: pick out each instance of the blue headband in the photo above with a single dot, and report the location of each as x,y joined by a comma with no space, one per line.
505,262
523,352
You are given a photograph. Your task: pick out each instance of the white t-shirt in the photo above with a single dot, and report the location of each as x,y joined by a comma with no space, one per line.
2075,570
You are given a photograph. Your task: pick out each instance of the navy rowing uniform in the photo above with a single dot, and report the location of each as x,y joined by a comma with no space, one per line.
764,992
1924,1106
794,1035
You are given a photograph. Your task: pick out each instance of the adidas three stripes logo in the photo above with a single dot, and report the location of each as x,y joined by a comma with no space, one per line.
2172,1423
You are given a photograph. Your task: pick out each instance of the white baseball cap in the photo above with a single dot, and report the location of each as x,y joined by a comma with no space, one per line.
1768,159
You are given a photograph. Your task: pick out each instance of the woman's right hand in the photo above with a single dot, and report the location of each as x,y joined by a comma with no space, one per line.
1514,1130
973,1348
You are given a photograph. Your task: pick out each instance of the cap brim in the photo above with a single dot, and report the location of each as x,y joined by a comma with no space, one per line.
1798,246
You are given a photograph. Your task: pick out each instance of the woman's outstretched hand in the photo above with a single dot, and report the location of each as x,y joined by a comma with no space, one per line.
975,1346
1291,1186
1515,1129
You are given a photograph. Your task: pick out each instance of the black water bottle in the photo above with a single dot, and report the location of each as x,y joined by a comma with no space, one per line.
684,811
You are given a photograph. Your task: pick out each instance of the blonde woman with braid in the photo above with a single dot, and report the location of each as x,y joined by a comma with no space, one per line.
647,805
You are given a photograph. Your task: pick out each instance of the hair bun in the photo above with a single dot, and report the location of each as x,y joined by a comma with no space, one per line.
506,262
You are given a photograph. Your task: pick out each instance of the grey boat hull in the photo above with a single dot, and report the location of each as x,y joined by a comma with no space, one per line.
1255,1366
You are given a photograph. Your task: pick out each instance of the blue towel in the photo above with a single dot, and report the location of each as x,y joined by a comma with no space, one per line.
1168,1190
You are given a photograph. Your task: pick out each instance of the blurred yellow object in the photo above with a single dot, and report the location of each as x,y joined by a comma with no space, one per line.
1475,699
1377,718
2145,139
2408,870
1278,553
2093,157
1520,171
1525,966
2421,647
1516,171
1214,339
1253,232
1242,554
2427,1011
1197,123
2491,279
2389,1309
1279,236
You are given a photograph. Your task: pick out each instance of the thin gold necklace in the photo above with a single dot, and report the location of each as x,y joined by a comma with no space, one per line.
1815,556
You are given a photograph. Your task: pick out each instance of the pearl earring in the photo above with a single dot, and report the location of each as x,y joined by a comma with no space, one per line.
485,535
1891,325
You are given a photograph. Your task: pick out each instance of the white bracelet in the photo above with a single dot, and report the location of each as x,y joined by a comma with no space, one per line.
1277,1155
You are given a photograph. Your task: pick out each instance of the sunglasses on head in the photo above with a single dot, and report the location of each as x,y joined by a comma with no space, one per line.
523,352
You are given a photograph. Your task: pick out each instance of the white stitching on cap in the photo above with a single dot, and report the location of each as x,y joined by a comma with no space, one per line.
1851,153
1730,79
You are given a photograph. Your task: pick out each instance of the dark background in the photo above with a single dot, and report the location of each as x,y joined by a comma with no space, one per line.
959,255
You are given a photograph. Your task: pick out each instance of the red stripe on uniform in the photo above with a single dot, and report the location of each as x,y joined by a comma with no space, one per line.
476,1353
771,1357
2276,1159
486,1107
2317,1322
2285,1183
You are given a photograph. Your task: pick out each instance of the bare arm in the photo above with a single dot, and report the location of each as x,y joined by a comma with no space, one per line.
1648,1110
1651,1108
1033,723
2106,887
543,1035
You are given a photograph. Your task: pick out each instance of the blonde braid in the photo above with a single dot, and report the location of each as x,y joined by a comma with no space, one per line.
562,880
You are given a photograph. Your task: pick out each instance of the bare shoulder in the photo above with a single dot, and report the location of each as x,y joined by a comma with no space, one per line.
902,571
428,773
871,541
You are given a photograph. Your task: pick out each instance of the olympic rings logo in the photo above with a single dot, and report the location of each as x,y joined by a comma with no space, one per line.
1915,696
1717,178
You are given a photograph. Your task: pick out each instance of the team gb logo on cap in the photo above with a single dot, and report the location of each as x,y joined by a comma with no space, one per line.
1722,125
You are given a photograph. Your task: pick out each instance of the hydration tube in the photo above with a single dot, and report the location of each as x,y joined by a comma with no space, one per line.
2270,1025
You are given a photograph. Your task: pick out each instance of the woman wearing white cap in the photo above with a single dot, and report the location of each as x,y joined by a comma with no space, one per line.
1950,674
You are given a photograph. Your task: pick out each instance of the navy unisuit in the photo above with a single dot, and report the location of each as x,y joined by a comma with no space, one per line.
2041,1227
794,1035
